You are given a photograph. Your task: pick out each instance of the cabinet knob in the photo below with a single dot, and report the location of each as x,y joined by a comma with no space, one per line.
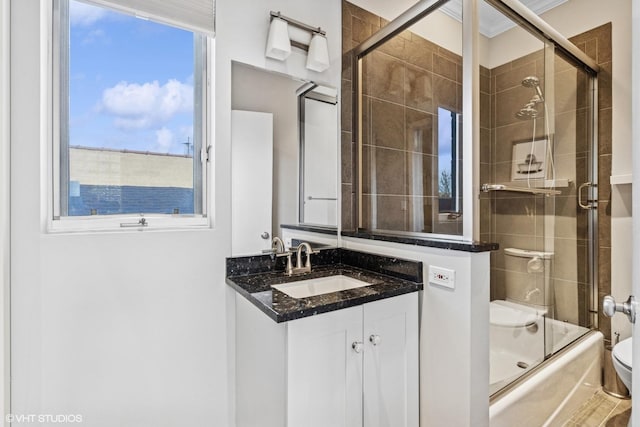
375,339
357,346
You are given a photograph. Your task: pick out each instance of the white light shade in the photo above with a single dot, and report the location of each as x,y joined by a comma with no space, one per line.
299,35
318,57
278,43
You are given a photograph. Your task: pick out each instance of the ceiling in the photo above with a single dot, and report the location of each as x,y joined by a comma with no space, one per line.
493,22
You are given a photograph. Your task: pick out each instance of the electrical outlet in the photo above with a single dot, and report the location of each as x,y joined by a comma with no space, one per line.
442,277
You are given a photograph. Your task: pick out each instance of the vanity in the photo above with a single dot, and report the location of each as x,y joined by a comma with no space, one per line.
337,346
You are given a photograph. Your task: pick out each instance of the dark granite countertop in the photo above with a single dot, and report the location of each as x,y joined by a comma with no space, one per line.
455,245
252,278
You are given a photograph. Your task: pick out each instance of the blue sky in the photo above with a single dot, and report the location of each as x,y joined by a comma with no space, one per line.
131,82
444,140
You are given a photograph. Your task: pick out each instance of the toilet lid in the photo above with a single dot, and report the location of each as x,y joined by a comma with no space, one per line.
505,314
622,352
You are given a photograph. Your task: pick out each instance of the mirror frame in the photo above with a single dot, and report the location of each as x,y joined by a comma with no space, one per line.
303,93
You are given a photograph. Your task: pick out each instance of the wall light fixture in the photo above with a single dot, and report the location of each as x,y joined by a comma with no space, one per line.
285,32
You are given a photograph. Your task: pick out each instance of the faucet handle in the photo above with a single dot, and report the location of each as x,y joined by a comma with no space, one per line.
277,244
289,268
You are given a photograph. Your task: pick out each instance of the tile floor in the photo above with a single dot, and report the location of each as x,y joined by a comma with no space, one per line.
602,410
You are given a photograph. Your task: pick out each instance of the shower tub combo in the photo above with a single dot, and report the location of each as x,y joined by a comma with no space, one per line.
551,391
537,158
536,375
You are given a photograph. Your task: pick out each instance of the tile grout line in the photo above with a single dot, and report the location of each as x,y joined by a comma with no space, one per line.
603,423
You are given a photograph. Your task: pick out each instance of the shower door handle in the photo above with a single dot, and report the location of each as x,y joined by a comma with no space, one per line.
611,307
589,203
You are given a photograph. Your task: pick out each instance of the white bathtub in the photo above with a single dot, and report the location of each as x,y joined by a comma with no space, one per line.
557,388
519,336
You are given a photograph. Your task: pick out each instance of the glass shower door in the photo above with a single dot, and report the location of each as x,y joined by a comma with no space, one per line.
571,218
537,130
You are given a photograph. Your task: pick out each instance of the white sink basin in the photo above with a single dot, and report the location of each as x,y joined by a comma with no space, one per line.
322,285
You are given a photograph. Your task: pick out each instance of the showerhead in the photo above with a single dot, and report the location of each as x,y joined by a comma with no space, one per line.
531,81
534,83
527,112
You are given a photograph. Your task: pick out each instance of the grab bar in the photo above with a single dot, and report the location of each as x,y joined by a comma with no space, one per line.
321,198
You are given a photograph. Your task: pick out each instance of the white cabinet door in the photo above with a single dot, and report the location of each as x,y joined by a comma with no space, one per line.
251,181
324,384
391,362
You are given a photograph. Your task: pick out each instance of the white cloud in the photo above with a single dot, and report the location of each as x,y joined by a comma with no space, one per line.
143,106
94,36
84,15
164,139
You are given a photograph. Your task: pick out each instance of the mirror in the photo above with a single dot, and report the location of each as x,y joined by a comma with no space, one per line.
291,156
409,111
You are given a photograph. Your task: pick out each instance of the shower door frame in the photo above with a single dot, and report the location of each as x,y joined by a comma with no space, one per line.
471,127
470,102
528,20
521,15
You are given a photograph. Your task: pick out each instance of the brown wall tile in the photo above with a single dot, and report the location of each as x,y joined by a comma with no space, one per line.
444,67
386,124
604,131
383,77
418,89
419,132
346,157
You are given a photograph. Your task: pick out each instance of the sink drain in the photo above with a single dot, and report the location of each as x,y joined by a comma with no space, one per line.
522,365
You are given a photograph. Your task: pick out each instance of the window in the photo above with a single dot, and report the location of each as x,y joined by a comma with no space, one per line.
448,170
130,98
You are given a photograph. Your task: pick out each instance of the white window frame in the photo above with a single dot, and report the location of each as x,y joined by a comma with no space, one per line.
123,222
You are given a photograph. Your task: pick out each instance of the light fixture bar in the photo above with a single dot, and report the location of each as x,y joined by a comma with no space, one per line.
298,24
299,45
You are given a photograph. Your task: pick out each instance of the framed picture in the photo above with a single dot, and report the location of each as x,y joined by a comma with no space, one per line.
529,159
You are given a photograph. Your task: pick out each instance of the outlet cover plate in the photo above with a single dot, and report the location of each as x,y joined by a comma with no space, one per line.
442,277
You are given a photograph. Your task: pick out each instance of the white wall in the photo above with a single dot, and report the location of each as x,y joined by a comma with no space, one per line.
4,207
121,328
635,255
129,328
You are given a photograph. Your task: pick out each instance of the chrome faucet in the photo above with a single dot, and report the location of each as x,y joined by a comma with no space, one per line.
307,266
299,268
278,245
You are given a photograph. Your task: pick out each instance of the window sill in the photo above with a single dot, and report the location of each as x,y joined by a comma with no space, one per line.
123,223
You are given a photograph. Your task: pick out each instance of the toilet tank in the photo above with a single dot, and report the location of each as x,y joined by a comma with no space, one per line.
528,278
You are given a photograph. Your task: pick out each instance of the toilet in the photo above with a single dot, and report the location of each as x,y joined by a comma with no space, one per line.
528,289
621,356
528,279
